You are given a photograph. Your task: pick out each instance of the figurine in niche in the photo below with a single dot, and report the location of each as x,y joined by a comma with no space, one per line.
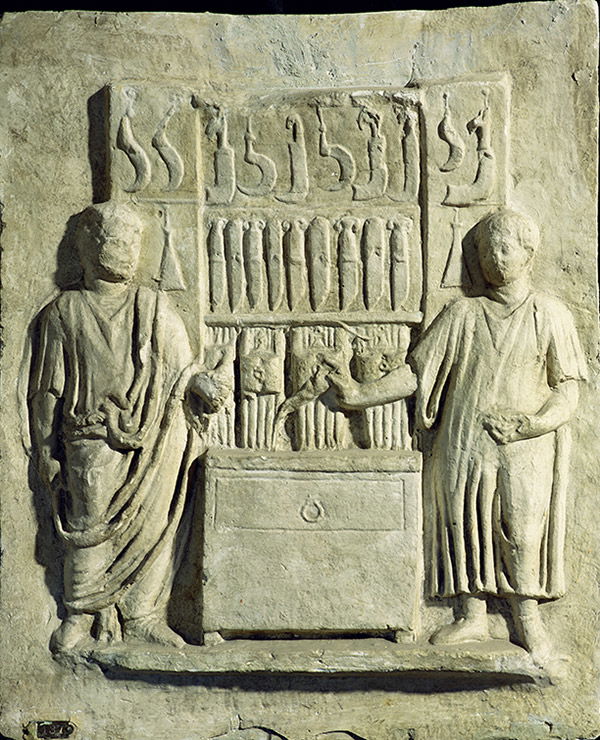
498,382
113,381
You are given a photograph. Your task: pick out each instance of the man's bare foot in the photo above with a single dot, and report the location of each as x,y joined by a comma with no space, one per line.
462,630
153,630
72,633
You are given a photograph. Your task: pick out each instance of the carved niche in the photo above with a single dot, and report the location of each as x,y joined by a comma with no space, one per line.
309,255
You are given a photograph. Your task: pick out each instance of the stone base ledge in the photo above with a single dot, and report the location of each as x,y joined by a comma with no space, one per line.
496,660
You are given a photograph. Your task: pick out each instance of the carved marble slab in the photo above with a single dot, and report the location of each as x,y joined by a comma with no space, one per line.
316,523
299,375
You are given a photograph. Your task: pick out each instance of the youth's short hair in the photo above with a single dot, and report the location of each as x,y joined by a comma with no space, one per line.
94,219
527,230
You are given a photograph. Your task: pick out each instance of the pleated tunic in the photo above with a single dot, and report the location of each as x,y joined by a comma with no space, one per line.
495,514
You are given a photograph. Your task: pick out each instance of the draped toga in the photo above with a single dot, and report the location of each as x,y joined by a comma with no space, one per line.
496,513
119,367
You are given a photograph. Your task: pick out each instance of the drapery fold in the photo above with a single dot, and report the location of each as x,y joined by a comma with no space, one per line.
496,512
121,374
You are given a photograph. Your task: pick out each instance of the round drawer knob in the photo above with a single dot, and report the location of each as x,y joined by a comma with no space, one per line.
312,510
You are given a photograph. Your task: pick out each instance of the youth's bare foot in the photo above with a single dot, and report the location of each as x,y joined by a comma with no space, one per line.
535,640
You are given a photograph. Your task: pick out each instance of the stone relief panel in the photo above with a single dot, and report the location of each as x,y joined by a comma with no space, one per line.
293,329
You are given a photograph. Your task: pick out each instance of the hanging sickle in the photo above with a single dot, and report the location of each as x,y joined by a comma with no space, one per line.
127,143
376,149
448,133
341,155
408,119
167,152
266,166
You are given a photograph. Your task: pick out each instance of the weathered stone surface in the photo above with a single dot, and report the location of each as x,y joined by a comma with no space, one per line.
494,661
316,375
306,521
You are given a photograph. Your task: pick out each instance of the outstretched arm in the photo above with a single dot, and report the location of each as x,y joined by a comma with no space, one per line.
398,383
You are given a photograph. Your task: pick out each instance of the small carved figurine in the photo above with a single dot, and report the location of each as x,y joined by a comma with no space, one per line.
112,372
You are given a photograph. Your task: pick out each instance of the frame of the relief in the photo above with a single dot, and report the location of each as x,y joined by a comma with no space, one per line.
168,150
297,253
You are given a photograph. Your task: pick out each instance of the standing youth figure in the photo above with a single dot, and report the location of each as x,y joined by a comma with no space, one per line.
498,381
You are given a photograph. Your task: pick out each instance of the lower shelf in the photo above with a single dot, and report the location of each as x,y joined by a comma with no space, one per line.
495,659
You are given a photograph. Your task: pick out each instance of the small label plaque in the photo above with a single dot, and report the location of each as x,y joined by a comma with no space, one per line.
57,728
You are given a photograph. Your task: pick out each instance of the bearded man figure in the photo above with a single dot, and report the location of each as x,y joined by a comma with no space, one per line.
111,377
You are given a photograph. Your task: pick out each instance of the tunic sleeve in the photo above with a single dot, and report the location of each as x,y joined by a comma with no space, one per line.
178,353
48,361
565,358
433,359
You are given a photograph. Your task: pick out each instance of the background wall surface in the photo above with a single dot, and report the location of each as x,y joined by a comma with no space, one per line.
52,66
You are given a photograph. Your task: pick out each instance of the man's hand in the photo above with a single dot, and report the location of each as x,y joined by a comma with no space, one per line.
212,388
505,427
